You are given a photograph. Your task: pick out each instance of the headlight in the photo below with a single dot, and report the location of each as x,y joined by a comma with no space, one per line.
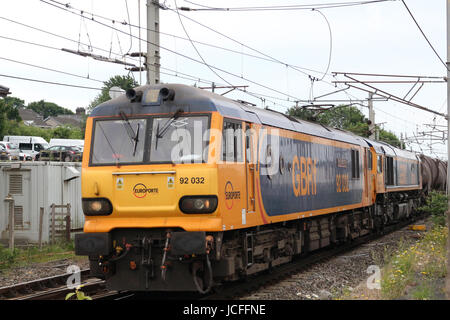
96,206
198,204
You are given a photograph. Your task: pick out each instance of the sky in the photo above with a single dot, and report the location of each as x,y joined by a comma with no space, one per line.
373,38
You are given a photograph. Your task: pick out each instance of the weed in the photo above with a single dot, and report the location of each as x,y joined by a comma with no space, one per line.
78,294
424,291
436,205
24,256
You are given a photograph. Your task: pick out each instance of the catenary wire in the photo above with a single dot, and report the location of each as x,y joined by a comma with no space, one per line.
426,38
266,57
180,54
285,7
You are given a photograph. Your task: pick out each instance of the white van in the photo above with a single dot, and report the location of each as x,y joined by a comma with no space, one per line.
67,143
29,146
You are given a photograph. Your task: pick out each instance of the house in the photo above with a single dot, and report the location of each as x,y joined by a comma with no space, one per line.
73,120
32,118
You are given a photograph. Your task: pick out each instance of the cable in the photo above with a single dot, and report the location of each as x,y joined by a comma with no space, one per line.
32,43
180,54
131,38
49,82
177,73
429,43
259,52
284,8
331,42
55,35
238,42
193,45
268,58
49,69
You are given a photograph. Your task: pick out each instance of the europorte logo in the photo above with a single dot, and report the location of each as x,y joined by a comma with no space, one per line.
140,190
231,195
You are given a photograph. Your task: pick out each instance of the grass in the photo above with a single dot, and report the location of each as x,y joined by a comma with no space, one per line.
436,205
414,270
424,291
19,257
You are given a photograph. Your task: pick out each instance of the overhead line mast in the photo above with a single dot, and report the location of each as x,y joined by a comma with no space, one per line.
448,99
153,42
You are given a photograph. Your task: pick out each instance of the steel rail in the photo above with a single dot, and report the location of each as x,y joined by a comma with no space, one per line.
41,288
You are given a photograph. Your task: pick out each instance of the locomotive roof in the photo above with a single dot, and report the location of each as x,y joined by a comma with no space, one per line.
385,148
192,99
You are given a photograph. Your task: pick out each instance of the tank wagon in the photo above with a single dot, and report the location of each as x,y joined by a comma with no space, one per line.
183,189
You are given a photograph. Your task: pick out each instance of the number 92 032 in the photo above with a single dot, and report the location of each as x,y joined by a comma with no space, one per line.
193,180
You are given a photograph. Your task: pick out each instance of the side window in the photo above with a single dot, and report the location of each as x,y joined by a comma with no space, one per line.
355,164
25,146
232,148
38,147
389,174
248,144
369,159
379,164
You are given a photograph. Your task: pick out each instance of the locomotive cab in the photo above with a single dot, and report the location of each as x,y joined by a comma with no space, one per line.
152,193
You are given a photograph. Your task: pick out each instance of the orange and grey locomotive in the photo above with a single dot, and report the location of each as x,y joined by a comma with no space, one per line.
183,189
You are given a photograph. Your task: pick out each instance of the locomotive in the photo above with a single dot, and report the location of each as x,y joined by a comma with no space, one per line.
184,189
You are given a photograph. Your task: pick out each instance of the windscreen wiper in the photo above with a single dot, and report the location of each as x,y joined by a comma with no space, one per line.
136,139
133,136
160,133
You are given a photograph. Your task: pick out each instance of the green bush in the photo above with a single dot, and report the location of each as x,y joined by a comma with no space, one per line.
437,206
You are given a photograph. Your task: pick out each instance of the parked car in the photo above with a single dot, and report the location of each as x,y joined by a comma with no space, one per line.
30,146
3,154
12,150
67,142
60,153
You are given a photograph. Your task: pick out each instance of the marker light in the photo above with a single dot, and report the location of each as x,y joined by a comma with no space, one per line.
96,206
198,204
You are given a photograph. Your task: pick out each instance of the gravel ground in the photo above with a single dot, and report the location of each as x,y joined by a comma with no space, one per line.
339,275
326,280
37,271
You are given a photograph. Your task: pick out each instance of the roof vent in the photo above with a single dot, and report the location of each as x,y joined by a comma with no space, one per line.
133,95
167,94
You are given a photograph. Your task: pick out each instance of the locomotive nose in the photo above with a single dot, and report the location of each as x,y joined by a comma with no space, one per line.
145,193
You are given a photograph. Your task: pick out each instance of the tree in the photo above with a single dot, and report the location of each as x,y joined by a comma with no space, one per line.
347,118
124,82
9,113
391,138
47,109
14,102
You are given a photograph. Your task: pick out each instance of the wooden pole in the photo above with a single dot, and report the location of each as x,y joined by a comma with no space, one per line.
41,221
53,223
68,223
11,224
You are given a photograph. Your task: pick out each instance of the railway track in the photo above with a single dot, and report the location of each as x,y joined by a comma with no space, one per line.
54,288
234,290
50,288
